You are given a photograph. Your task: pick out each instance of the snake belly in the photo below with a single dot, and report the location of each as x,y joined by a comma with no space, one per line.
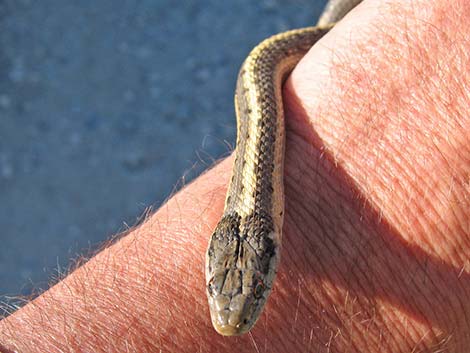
244,250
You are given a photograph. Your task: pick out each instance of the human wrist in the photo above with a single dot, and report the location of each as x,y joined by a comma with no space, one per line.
384,105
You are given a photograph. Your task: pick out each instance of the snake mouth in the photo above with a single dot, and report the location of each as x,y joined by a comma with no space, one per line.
229,330
227,323
229,317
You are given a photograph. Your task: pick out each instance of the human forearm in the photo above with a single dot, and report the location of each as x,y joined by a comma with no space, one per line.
376,235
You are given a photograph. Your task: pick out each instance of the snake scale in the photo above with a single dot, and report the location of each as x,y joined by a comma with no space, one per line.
243,253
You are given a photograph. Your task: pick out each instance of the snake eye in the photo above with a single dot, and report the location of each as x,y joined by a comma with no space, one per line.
259,289
210,286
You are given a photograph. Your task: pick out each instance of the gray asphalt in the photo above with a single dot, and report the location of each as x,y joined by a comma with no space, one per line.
107,107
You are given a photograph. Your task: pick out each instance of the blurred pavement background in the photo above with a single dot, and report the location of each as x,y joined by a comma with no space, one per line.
105,106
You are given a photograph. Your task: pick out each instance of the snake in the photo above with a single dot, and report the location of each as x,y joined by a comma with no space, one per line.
243,254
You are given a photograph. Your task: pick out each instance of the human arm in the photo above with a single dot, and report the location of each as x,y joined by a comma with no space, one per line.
376,240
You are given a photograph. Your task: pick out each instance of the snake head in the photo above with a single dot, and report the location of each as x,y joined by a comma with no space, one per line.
240,271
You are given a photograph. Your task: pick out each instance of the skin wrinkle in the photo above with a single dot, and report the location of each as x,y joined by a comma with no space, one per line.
313,217
318,214
348,327
304,308
402,169
169,280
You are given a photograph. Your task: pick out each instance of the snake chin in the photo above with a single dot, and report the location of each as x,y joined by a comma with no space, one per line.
234,316
235,308
229,322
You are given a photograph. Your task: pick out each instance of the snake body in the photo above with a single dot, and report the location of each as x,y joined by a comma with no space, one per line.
243,253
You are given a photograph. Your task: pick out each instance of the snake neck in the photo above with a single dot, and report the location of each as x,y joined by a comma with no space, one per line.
257,179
